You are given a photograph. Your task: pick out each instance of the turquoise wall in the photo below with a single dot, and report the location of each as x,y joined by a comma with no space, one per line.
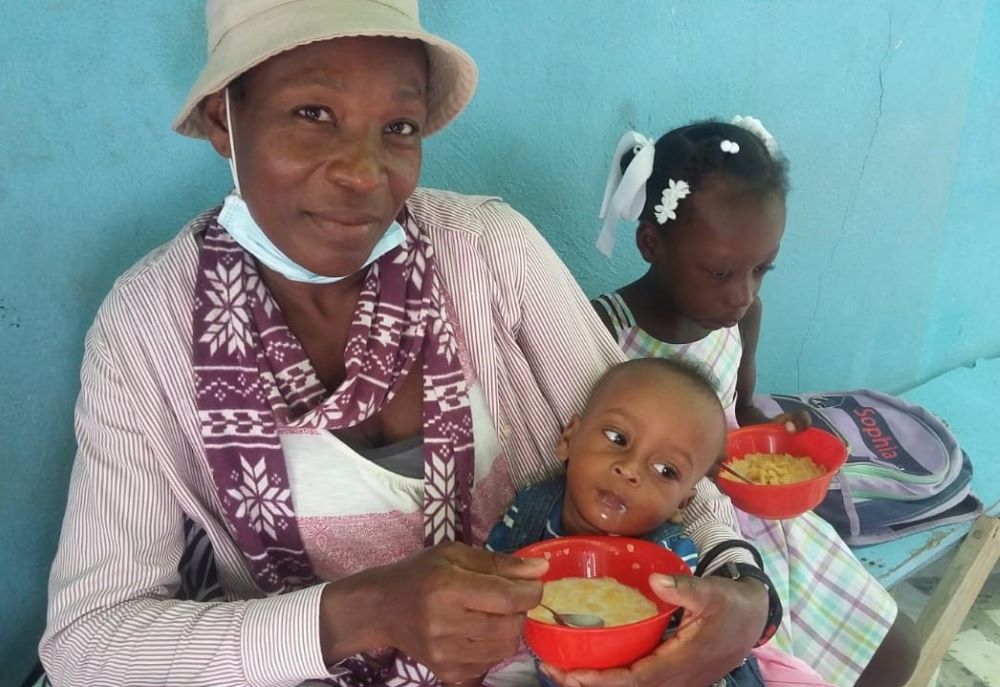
887,111
965,319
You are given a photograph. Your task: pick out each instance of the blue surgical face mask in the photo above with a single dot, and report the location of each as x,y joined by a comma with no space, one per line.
237,220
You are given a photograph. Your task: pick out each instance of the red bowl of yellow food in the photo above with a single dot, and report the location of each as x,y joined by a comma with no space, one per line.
766,453
628,562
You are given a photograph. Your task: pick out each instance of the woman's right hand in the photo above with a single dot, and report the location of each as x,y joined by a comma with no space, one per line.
456,609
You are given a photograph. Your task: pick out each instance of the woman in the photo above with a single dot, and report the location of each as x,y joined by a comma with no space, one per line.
332,434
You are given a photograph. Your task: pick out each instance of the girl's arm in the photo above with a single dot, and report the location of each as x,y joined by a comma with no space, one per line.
746,379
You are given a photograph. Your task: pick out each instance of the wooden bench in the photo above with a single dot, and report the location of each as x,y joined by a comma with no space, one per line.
968,399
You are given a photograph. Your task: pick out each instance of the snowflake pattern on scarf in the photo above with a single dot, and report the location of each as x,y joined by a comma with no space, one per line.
253,378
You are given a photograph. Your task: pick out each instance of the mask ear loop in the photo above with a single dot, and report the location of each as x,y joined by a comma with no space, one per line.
232,144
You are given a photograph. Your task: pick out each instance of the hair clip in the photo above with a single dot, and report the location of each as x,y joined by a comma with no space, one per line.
672,194
731,147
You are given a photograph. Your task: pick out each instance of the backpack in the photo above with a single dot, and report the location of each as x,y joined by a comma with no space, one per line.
905,471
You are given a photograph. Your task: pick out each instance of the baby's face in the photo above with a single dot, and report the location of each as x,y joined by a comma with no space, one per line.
634,456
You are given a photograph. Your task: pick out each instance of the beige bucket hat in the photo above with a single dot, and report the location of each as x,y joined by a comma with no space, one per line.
244,33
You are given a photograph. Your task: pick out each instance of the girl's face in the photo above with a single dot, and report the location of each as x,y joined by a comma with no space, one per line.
711,267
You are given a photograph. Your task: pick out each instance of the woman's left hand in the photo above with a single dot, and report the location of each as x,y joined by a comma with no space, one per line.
723,619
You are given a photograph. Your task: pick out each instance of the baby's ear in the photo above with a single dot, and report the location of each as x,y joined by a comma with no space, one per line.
566,438
713,471
686,501
678,517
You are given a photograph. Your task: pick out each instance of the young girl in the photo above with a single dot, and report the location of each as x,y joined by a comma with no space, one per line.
710,201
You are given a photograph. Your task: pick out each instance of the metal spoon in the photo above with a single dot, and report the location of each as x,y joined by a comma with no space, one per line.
579,620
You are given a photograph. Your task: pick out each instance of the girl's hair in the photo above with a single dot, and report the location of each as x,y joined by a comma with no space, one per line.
694,154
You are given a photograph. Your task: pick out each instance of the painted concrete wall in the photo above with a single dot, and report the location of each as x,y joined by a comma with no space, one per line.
869,114
965,318
886,110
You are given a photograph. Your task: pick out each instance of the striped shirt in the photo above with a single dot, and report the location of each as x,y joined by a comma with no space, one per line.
536,347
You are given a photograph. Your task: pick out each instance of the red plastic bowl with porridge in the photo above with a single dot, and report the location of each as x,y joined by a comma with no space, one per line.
630,562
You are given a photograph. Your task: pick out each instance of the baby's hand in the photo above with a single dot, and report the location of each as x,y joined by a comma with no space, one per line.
795,421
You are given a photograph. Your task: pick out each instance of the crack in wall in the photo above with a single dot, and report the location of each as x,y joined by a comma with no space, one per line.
852,201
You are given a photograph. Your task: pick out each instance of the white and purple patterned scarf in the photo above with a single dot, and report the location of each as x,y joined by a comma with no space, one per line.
253,378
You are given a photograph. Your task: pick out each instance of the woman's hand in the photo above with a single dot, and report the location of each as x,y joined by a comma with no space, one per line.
456,609
723,619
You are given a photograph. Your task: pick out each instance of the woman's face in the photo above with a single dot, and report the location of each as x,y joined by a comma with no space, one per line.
712,266
328,145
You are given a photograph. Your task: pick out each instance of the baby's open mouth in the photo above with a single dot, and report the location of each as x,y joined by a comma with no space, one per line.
611,504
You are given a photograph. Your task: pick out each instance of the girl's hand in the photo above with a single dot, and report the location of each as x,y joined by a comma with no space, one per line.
795,421
723,619
456,609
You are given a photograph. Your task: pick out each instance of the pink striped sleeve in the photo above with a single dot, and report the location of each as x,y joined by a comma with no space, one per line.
558,330
111,617
568,348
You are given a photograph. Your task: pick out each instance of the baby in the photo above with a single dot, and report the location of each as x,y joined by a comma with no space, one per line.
652,428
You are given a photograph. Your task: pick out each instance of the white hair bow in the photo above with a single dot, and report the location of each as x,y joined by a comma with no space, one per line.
625,193
756,127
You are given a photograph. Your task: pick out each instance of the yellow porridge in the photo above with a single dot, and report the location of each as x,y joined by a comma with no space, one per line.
776,468
617,603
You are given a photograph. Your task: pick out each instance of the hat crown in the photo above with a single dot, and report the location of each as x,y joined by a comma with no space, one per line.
223,15
245,33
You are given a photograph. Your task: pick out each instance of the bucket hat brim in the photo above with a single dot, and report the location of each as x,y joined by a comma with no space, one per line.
291,24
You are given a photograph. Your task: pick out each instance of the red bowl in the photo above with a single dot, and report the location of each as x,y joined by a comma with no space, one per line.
630,561
782,501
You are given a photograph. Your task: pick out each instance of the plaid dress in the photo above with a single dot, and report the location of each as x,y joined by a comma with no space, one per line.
836,613
718,353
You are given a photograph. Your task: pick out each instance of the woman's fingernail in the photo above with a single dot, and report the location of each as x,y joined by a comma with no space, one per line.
539,565
665,581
